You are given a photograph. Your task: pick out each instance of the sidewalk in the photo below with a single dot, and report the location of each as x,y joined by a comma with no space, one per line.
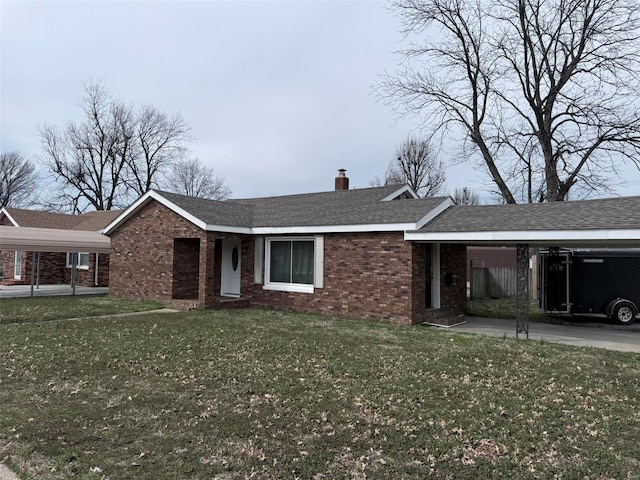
6,474
625,339
13,291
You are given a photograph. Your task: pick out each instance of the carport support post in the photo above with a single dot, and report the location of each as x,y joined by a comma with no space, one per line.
522,305
33,271
74,262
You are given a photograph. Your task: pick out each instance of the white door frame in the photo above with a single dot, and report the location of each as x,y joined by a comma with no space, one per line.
230,277
17,266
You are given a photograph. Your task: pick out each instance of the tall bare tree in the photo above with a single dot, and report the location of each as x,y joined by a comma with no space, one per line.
465,196
545,91
18,181
192,177
415,164
113,155
160,141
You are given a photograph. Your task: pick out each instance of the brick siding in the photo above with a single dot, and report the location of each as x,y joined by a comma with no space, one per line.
374,275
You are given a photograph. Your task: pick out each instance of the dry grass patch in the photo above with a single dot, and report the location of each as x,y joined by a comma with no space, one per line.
20,310
263,394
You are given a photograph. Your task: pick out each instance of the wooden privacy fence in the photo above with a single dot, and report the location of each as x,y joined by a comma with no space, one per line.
493,282
500,282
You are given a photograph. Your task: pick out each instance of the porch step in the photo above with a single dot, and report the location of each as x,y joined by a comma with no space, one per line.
11,281
443,316
184,304
229,302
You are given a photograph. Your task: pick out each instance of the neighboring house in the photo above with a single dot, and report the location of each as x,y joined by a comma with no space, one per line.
340,252
55,267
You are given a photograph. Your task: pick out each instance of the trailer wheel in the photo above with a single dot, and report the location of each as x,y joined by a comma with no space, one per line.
624,313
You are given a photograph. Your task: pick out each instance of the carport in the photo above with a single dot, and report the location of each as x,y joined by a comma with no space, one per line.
38,240
606,223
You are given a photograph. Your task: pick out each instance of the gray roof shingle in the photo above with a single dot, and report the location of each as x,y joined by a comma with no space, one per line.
610,213
344,207
91,221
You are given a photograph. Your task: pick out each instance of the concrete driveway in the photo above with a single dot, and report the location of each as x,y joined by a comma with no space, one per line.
593,334
11,291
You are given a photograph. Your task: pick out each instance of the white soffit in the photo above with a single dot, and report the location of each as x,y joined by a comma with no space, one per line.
566,237
32,239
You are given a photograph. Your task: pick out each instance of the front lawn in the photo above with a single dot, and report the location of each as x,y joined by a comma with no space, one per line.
13,310
265,394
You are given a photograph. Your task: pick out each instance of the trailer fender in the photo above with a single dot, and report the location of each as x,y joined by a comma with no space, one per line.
628,310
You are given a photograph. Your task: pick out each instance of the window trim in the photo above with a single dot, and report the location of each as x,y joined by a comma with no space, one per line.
281,286
79,266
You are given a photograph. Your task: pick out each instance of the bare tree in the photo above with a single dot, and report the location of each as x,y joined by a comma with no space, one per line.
191,177
465,196
113,155
545,91
18,181
415,164
160,141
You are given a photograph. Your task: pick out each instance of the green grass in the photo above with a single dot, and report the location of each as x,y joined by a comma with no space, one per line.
504,308
265,394
13,310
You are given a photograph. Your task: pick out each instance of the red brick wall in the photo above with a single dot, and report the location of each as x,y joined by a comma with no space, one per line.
53,269
186,268
141,260
365,275
8,260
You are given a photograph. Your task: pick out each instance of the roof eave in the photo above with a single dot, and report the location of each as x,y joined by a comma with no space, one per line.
532,237
11,219
433,213
142,201
400,191
378,227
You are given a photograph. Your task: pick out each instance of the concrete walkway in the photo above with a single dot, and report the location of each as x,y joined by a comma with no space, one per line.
6,474
13,291
593,334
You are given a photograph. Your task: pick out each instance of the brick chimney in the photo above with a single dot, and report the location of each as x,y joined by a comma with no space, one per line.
342,181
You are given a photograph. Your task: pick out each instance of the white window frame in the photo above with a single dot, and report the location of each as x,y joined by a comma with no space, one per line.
79,266
318,261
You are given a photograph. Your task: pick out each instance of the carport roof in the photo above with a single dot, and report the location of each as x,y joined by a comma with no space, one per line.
33,239
91,221
612,221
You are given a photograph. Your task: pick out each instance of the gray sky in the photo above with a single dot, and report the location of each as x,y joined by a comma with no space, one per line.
278,94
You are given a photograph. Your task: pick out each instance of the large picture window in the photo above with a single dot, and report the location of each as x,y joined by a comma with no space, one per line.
82,263
290,264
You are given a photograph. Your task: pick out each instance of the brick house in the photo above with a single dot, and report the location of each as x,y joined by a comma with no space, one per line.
55,267
341,252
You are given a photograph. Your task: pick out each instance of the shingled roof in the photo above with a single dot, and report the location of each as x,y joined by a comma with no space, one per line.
91,221
359,208
603,222
610,213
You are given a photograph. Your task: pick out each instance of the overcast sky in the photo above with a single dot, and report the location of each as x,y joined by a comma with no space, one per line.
278,94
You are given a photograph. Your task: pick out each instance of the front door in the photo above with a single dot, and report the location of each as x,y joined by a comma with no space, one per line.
230,282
